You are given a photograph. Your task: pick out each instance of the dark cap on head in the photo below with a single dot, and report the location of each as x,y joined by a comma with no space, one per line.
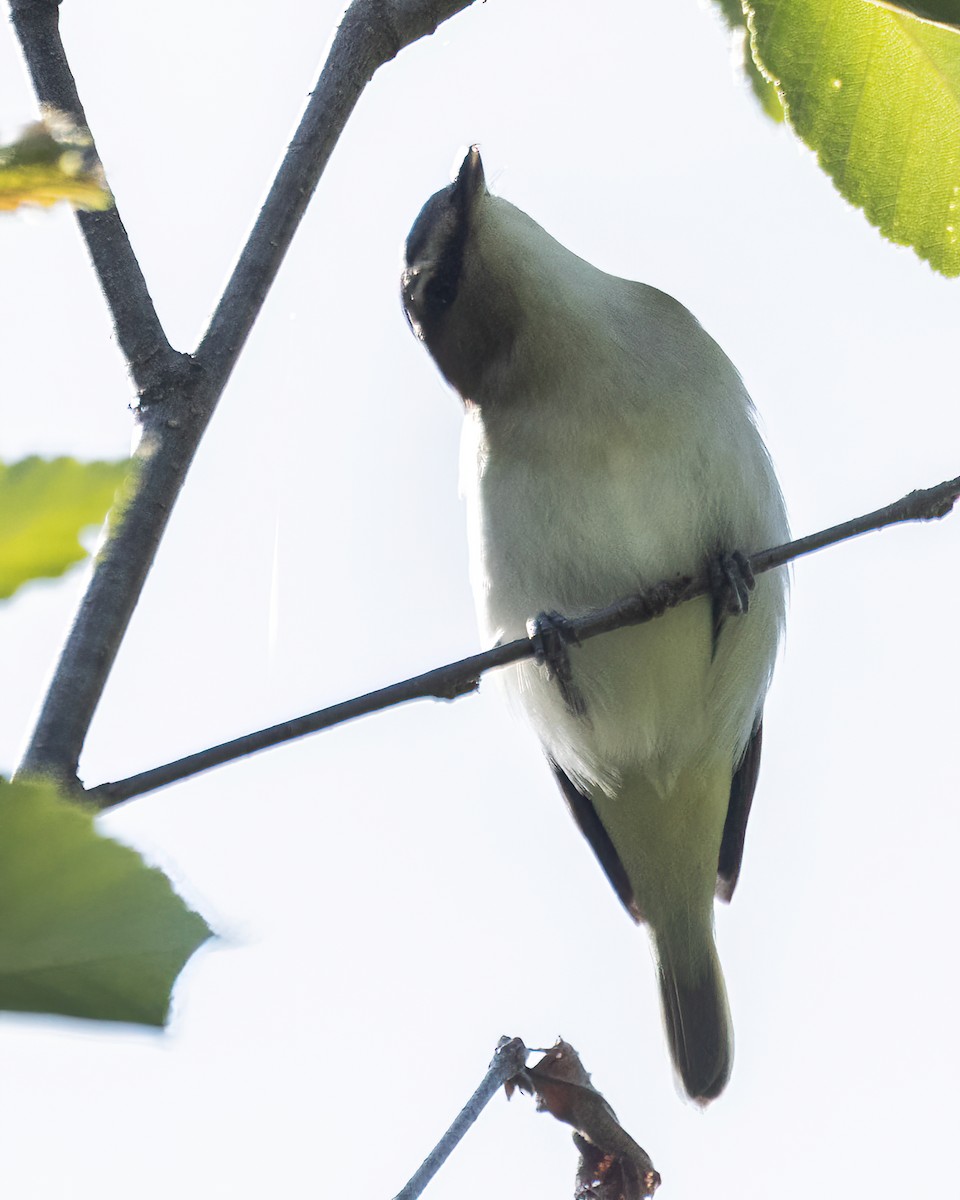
435,247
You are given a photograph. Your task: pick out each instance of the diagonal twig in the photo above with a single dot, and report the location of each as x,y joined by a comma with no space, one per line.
139,332
178,392
460,678
508,1060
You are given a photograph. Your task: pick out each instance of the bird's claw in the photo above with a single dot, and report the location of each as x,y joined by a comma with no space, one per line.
552,635
731,582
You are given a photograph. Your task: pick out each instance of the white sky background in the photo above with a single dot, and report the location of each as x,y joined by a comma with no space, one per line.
395,894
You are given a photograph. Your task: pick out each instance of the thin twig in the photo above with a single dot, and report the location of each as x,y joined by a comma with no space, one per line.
371,33
139,332
509,1059
179,393
460,678
926,504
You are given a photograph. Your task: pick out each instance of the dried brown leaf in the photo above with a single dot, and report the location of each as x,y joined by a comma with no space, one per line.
610,1176
612,1165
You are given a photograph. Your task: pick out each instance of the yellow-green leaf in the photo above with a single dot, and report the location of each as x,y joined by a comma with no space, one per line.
877,95
44,506
765,92
87,929
53,160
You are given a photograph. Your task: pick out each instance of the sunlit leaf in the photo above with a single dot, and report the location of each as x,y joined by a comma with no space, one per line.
44,506
763,90
53,160
877,95
87,929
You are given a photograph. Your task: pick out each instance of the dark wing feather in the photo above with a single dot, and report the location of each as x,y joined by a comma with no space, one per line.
742,787
592,829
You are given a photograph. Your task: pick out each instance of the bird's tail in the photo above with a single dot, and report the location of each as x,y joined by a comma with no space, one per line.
695,1010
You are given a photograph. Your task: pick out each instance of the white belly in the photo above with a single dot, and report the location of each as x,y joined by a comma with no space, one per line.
617,519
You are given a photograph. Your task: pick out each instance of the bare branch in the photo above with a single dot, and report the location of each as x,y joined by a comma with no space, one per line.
923,505
508,1061
179,393
459,678
139,332
120,570
371,33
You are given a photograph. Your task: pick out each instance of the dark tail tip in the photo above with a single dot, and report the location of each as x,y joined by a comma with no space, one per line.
697,1019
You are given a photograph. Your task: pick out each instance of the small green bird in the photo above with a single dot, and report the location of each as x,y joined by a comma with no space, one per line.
609,443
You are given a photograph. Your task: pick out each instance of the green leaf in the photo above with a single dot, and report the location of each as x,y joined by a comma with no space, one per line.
87,929
764,91
877,96
53,160
44,506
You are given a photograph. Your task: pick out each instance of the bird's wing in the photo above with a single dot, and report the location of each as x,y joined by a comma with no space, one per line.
742,787
592,829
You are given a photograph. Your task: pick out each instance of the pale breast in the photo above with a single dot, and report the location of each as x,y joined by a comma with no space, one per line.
569,519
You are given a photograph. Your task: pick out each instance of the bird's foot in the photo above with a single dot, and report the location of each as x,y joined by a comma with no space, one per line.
731,582
552,635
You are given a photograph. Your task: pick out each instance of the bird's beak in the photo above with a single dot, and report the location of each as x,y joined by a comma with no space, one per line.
470,178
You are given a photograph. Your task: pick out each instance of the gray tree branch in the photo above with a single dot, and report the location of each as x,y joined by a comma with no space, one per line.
179,393
139,333
460,678
509,1060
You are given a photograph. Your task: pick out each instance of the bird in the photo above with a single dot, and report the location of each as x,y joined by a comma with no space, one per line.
609,444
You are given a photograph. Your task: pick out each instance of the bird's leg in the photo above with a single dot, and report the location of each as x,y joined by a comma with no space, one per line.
552,634
731,582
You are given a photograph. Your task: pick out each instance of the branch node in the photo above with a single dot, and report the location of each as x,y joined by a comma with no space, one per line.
377,17
508,1059
932,504
453,689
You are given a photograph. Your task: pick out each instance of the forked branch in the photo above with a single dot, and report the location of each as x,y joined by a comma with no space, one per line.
179,392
